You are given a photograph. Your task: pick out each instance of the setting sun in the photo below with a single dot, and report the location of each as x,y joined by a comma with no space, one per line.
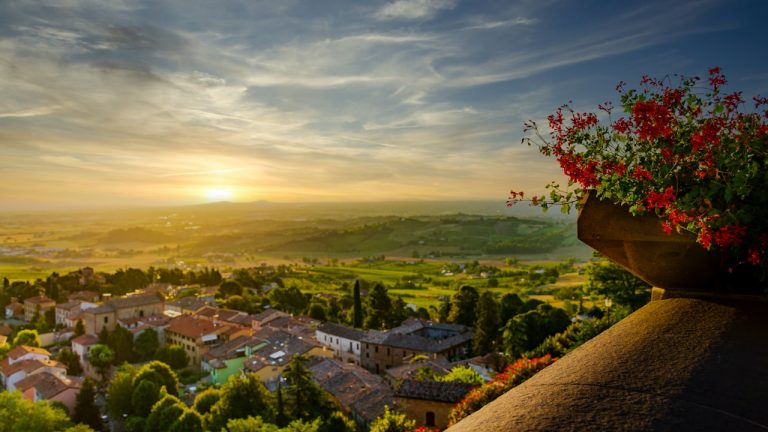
219,194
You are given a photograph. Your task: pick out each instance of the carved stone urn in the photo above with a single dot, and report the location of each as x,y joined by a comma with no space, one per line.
673,262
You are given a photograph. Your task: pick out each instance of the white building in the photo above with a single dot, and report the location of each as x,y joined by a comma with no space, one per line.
344,341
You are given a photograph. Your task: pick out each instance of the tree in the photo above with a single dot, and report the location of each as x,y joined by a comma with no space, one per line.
250,424
71,361
190,421
161,374
145,394
173,355
280,418
612,281
165,414
289,299
316,311
338,422
120,391
18,414
28,338
146,344
486,334
526,331
121,342
104,335
101,357
86,410
79,328
307,398
241,397
229,288
357,317
509,306
392,421
463,305
379,308
206,399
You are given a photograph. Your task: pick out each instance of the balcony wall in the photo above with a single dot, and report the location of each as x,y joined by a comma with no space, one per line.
676,364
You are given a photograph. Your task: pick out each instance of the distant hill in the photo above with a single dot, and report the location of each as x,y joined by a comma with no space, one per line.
457,234
133,235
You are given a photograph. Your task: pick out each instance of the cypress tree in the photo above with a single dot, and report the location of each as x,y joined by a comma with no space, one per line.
86,410
358,307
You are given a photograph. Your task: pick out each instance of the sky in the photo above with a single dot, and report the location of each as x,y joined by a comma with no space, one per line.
131,102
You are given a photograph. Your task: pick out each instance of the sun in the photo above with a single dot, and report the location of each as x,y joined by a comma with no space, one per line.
219,194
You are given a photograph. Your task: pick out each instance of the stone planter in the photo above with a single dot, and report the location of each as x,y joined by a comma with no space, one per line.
672,262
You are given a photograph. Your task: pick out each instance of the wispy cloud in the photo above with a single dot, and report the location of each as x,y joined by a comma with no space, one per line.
489,25
413,9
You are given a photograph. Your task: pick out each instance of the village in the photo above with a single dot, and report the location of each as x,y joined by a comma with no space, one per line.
363,370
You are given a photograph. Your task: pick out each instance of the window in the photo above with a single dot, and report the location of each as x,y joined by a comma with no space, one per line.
388,351
430,419
141,313
358,346
106,320
376,349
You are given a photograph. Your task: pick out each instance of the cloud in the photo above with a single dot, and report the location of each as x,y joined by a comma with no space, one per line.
31,112
413,9
489,25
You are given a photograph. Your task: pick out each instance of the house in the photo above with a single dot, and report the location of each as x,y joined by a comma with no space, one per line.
82,344
197,335
343,340
136,306
50,387
37,304
5,330
23,361
14,310
383,350
438,367
229,358
71,309
138,325
261,319
429,403
185,306
85,295
359,392
270,360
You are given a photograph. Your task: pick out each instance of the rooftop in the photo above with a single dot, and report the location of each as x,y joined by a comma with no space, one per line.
41,300
341,331
193,327
450,392
47,384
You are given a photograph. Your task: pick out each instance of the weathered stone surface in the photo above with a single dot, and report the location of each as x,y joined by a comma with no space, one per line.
677,364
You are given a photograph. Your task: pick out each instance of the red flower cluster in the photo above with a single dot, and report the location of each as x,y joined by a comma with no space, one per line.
692,157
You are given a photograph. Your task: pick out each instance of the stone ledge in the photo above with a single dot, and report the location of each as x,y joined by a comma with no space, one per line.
675,364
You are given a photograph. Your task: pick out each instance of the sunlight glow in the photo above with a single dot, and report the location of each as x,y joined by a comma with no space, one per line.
219,194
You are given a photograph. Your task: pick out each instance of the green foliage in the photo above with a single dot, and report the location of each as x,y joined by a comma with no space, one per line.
81,428
378,308
463,305
121,342
526,331
487,325
146,344
357,317
612,281
28,338
241,397
249,424
306,397
21,415
71,361
164,414
145,394
463,374
79,328
229,288
206,399
101,357
392,421
161,374
86,410
190,421
173,355
135,424
289,299
120,391
338,422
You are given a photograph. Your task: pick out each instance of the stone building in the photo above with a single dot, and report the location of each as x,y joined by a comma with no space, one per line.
429,403
107,315
383,350
37,304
